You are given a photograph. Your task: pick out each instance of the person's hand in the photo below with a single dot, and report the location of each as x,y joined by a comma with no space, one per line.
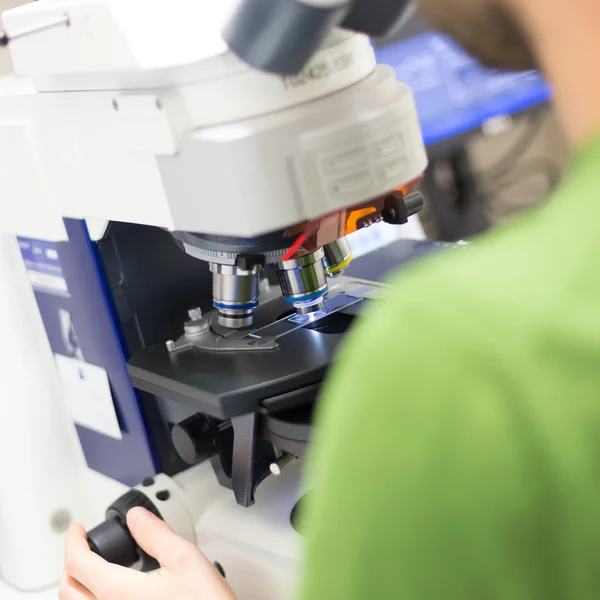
185,574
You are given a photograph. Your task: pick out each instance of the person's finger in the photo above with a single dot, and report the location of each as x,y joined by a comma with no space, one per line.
72,590
157,539
89,569
80,562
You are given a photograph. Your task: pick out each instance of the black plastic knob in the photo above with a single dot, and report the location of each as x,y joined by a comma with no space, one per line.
113,542
414,202
112,539
399,207
194,439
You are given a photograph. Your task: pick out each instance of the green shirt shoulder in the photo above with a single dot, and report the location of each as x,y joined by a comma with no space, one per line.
457,450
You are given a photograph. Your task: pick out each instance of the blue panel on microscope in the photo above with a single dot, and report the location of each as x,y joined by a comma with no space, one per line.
75,304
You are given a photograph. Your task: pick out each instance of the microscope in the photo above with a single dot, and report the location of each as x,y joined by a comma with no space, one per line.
183,177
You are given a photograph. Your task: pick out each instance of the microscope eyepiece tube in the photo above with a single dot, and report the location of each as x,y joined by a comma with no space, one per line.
235,294
303,281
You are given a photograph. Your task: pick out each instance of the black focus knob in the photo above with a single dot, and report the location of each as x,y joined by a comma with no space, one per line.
112,539
194,439
113,542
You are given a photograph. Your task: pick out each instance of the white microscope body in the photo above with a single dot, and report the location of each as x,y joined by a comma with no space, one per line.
135,111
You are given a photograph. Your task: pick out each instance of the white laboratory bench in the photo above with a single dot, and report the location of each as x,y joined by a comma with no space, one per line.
104,491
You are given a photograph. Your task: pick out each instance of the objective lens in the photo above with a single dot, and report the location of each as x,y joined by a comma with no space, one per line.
337,257
310,306
303,281
235,294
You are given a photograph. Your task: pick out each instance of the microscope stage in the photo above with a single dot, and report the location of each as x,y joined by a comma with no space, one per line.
226,384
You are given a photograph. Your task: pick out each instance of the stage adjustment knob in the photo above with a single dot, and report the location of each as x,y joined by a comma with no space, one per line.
194,439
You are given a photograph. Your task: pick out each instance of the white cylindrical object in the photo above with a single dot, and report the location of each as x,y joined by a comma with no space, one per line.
40,458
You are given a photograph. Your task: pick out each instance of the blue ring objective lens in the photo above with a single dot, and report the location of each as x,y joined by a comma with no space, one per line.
249,306
307,297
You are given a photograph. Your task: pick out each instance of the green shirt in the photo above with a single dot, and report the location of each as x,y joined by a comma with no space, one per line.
457,453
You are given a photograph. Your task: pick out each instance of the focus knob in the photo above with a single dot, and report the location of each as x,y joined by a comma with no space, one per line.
194,439
113,541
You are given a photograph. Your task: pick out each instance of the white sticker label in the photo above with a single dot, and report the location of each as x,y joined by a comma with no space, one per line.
44,282
88,396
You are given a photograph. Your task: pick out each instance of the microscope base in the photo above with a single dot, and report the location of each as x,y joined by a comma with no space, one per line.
257,548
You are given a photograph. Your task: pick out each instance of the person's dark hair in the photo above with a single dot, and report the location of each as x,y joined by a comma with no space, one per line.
487,29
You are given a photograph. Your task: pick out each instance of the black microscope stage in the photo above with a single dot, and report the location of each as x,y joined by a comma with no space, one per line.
225,384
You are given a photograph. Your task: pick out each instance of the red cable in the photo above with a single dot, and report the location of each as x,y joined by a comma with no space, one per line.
294,247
